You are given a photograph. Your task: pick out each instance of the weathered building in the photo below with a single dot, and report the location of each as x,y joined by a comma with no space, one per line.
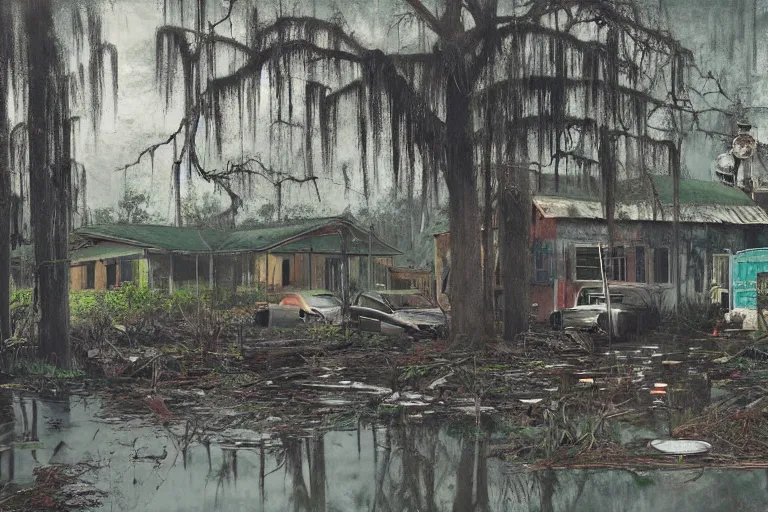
715,221
301,254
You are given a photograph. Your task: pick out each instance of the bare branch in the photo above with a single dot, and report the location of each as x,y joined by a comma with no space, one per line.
213,26
151,149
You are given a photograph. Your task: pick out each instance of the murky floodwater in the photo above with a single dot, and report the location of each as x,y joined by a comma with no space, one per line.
400,469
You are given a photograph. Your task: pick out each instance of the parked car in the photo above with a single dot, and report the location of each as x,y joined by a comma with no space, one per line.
303,306
394,311
632,310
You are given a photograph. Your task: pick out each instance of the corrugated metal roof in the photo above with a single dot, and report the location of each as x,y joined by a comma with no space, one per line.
103,252
193,240
559,207
331,244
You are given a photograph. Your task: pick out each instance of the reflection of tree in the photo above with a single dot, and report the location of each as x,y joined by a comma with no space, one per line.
303,499
7,421
317,477
472,476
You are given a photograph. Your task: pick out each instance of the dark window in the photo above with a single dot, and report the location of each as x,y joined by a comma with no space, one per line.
588,264
640,264
661,265
126,271
286,272
111,275
90,276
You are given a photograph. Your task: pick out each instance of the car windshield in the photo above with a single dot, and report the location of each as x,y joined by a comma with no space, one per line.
407,300
322,301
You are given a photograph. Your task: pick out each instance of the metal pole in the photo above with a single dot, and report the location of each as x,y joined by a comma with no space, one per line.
210,271
370,258
197,276
311,284
607,293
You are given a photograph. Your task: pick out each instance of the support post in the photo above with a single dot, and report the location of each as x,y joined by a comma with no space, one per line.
344,276
197,276
170,274
210,271
150,282
311,283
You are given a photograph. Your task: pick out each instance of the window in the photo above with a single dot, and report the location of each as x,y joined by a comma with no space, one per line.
126,271
588,264
542,261
661,265
617,265
640,264
286,272
89,276
720,275
111,275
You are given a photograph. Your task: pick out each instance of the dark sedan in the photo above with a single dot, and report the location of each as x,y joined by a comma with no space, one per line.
394,311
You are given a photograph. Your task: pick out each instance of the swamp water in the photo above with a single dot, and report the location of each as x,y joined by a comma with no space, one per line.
147,468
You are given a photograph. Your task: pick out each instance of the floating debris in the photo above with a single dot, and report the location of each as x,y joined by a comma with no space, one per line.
660,385
531,401
681,446
658,392
671,363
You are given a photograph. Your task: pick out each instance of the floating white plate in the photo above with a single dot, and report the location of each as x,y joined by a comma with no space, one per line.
681,446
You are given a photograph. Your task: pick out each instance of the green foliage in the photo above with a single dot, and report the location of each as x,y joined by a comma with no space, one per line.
131,209
199,212
35,368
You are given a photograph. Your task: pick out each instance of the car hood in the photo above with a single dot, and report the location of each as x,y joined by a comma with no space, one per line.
332,314
421,316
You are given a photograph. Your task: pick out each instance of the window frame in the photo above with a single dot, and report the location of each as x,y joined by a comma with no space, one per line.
656,266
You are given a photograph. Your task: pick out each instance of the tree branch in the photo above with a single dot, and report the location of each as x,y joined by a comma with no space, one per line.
432,22
151,149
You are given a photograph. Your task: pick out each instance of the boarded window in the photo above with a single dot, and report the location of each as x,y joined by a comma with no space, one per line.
661,265
588,264
720,275
640,264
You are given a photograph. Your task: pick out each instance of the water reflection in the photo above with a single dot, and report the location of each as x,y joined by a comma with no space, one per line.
382,469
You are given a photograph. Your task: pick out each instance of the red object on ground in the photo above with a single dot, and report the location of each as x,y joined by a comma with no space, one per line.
715,332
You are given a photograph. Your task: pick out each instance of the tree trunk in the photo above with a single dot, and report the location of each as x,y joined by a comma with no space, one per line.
488,234
50,180
466,283
514,247
5,176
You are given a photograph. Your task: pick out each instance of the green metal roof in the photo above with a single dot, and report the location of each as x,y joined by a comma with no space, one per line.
692,192
168,238
103,252
331,244
262,239
292,236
